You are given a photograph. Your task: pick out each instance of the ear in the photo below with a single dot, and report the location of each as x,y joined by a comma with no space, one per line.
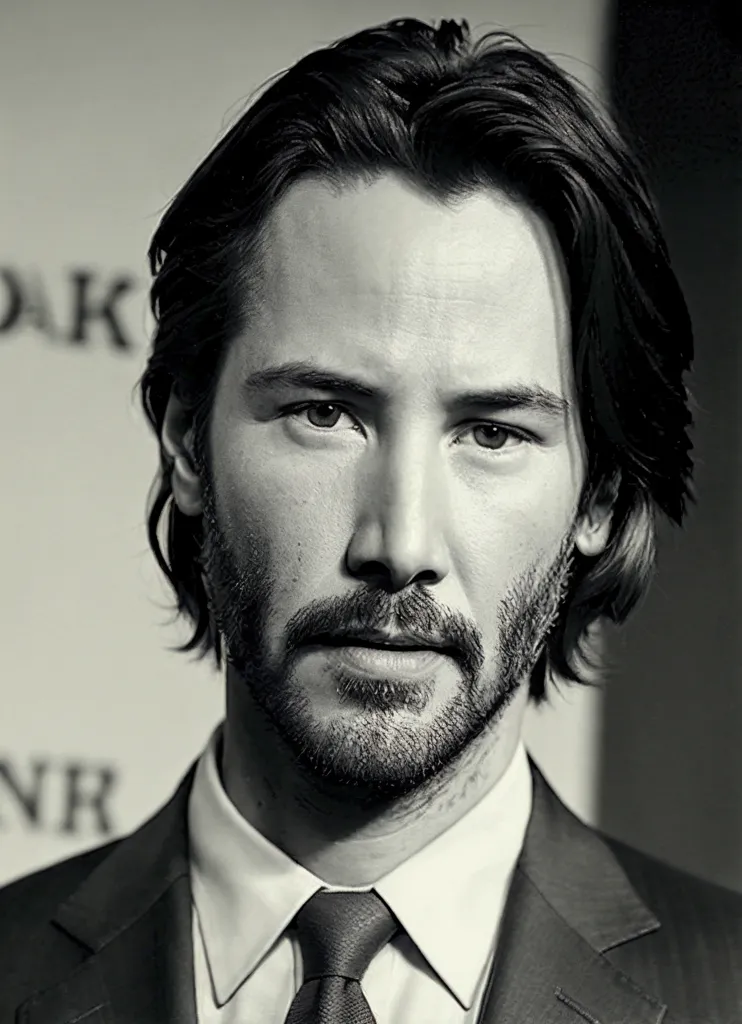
177,441
594,525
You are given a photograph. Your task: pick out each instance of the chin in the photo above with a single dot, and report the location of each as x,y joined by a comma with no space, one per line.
373,744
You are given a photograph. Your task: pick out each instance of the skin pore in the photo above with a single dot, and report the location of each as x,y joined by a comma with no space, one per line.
394,447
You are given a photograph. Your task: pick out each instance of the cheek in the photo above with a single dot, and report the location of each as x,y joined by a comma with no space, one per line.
294,519
501,532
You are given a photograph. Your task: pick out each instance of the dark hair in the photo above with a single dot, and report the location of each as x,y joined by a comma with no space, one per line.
452,115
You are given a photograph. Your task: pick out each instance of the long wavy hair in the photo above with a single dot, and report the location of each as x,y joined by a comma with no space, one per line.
452,115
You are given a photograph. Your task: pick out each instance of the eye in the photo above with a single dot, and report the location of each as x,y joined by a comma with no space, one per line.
320,415
493,436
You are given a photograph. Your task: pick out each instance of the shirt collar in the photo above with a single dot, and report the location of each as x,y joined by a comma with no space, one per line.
247,891
451,894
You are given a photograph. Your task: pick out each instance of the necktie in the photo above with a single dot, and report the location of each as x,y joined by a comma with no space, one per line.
339,935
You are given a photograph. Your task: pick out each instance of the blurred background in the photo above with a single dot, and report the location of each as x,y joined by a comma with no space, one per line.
105,109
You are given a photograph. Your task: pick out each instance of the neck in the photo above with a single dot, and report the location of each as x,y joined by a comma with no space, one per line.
326,828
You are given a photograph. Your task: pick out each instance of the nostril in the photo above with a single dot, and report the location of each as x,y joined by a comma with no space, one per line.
373,569
376,573
426,576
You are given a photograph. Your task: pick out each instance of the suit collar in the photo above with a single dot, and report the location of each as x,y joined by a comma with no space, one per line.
586,887
570,904
131,921
133,877
545,972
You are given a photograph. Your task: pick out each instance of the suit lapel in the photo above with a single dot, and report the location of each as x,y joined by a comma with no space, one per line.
570,903
131,922
548,974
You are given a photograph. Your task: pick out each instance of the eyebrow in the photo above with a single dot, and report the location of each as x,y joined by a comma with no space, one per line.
530,397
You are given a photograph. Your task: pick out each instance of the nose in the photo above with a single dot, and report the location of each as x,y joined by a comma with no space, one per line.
400,536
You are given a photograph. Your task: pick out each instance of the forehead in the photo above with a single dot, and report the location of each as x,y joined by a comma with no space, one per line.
386,279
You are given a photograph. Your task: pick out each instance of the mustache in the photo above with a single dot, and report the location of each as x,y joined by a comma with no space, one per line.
414,613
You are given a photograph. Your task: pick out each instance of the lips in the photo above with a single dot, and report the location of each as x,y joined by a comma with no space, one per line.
379,656
377,662
380,641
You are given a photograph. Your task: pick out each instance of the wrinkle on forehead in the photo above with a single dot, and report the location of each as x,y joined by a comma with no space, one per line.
390,236
390,279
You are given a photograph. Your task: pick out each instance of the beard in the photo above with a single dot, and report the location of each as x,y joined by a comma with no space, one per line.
387,746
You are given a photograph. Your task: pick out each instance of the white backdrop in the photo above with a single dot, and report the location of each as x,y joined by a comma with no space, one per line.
105,108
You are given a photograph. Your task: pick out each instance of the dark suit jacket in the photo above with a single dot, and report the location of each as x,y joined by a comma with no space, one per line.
593,932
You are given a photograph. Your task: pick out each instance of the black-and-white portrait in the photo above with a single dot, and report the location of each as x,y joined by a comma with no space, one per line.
369,405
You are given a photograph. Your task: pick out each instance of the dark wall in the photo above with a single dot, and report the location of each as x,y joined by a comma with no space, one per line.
672,771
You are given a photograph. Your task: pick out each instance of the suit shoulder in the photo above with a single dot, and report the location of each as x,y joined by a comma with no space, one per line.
692,904
29,901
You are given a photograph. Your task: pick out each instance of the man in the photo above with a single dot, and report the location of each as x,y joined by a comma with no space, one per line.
417,382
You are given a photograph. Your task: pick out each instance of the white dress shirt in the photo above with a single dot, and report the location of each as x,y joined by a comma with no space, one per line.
449,898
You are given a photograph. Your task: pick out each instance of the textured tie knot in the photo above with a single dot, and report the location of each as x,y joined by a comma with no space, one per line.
341,932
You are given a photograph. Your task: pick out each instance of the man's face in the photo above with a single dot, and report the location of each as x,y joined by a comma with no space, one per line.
395,469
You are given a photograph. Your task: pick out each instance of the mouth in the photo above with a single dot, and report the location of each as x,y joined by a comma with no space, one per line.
378,657
377,640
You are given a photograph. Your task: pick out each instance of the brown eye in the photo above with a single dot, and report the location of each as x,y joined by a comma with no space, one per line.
489,435
323,414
